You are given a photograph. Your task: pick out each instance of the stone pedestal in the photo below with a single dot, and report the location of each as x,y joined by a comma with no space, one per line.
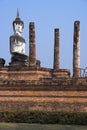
19,60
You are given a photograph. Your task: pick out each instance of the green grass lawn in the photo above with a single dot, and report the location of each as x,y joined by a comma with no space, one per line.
23,126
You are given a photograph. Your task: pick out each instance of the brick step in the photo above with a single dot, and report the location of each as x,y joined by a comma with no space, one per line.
59,94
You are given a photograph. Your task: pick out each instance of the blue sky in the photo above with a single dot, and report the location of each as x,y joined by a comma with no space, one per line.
47,15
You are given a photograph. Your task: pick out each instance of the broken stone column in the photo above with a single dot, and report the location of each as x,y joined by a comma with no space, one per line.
32,45
56,49
76,50
2,62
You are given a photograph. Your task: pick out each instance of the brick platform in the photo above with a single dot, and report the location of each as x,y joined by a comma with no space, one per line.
41,89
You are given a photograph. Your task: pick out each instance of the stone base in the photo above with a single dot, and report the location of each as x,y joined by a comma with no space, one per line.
18,64
34,88
19,57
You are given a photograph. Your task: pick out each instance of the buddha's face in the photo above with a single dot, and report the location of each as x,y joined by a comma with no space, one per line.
18,28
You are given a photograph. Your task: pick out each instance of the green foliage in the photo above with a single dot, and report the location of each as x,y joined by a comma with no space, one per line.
43,117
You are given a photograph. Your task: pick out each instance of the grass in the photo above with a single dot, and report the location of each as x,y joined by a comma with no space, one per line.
23,126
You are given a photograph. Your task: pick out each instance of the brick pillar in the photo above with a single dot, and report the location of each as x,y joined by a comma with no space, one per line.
56,49
76,50
32,45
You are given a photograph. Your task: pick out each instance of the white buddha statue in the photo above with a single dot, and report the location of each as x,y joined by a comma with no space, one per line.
17,42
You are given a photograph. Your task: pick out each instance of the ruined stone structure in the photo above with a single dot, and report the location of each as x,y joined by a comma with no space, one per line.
26,85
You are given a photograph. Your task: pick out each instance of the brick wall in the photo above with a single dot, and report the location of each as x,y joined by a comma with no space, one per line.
41,89
43,100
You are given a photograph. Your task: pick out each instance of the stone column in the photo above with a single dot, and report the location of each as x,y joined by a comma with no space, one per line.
32,45
76,50
56,49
